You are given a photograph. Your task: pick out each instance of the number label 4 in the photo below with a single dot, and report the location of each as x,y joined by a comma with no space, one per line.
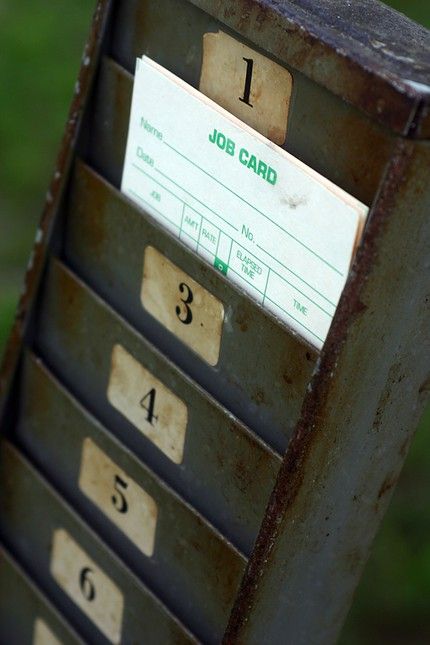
148,404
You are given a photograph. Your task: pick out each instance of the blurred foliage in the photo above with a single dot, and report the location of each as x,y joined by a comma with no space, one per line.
418,10
41,44
41,48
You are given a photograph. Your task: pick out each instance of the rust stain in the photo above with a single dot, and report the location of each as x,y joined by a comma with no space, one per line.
38,391
353,560
425,386
90,199
10,485
403,451
357,73
206,558
364,170
123,88
288,379
395,376
388,485
276,135
243,319
69,302
259,397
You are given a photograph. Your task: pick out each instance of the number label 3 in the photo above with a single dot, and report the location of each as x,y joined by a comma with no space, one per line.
182,305
186,317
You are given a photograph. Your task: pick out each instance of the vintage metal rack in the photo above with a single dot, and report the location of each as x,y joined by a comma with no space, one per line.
264,528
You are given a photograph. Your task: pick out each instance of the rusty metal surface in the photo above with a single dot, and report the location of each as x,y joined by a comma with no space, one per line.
194,571
21,526
362,51
227,473
357,422
263,370
54,199
110,120
22,604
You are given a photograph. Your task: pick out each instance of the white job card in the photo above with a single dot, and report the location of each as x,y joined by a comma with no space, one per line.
270,224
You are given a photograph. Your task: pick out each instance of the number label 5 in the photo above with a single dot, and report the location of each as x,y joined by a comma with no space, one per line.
182,305
119,498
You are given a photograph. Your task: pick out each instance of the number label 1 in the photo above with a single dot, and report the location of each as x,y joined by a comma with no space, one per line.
43,635
248,81
182,305
125,503
251,86
148,404
87,585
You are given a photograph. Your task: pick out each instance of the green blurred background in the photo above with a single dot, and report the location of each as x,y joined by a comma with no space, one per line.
41,47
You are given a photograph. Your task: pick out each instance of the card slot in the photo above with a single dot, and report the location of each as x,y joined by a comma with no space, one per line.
109,121
100,596
213,461
324,131
161,538
26,614
141,26
263,369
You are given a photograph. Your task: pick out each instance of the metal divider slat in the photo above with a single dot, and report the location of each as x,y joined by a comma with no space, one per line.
192,568
226,472
26,615
29,531
263,370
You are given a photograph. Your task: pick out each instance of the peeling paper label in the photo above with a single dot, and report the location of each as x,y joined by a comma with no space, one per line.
148,404
249,85
181,304
125,503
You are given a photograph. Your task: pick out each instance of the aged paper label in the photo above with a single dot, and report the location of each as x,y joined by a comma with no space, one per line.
87,585
148,404
43,635
266,221
125,503
249,85
179,303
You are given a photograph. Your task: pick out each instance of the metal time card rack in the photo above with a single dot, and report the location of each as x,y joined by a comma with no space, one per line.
182,459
